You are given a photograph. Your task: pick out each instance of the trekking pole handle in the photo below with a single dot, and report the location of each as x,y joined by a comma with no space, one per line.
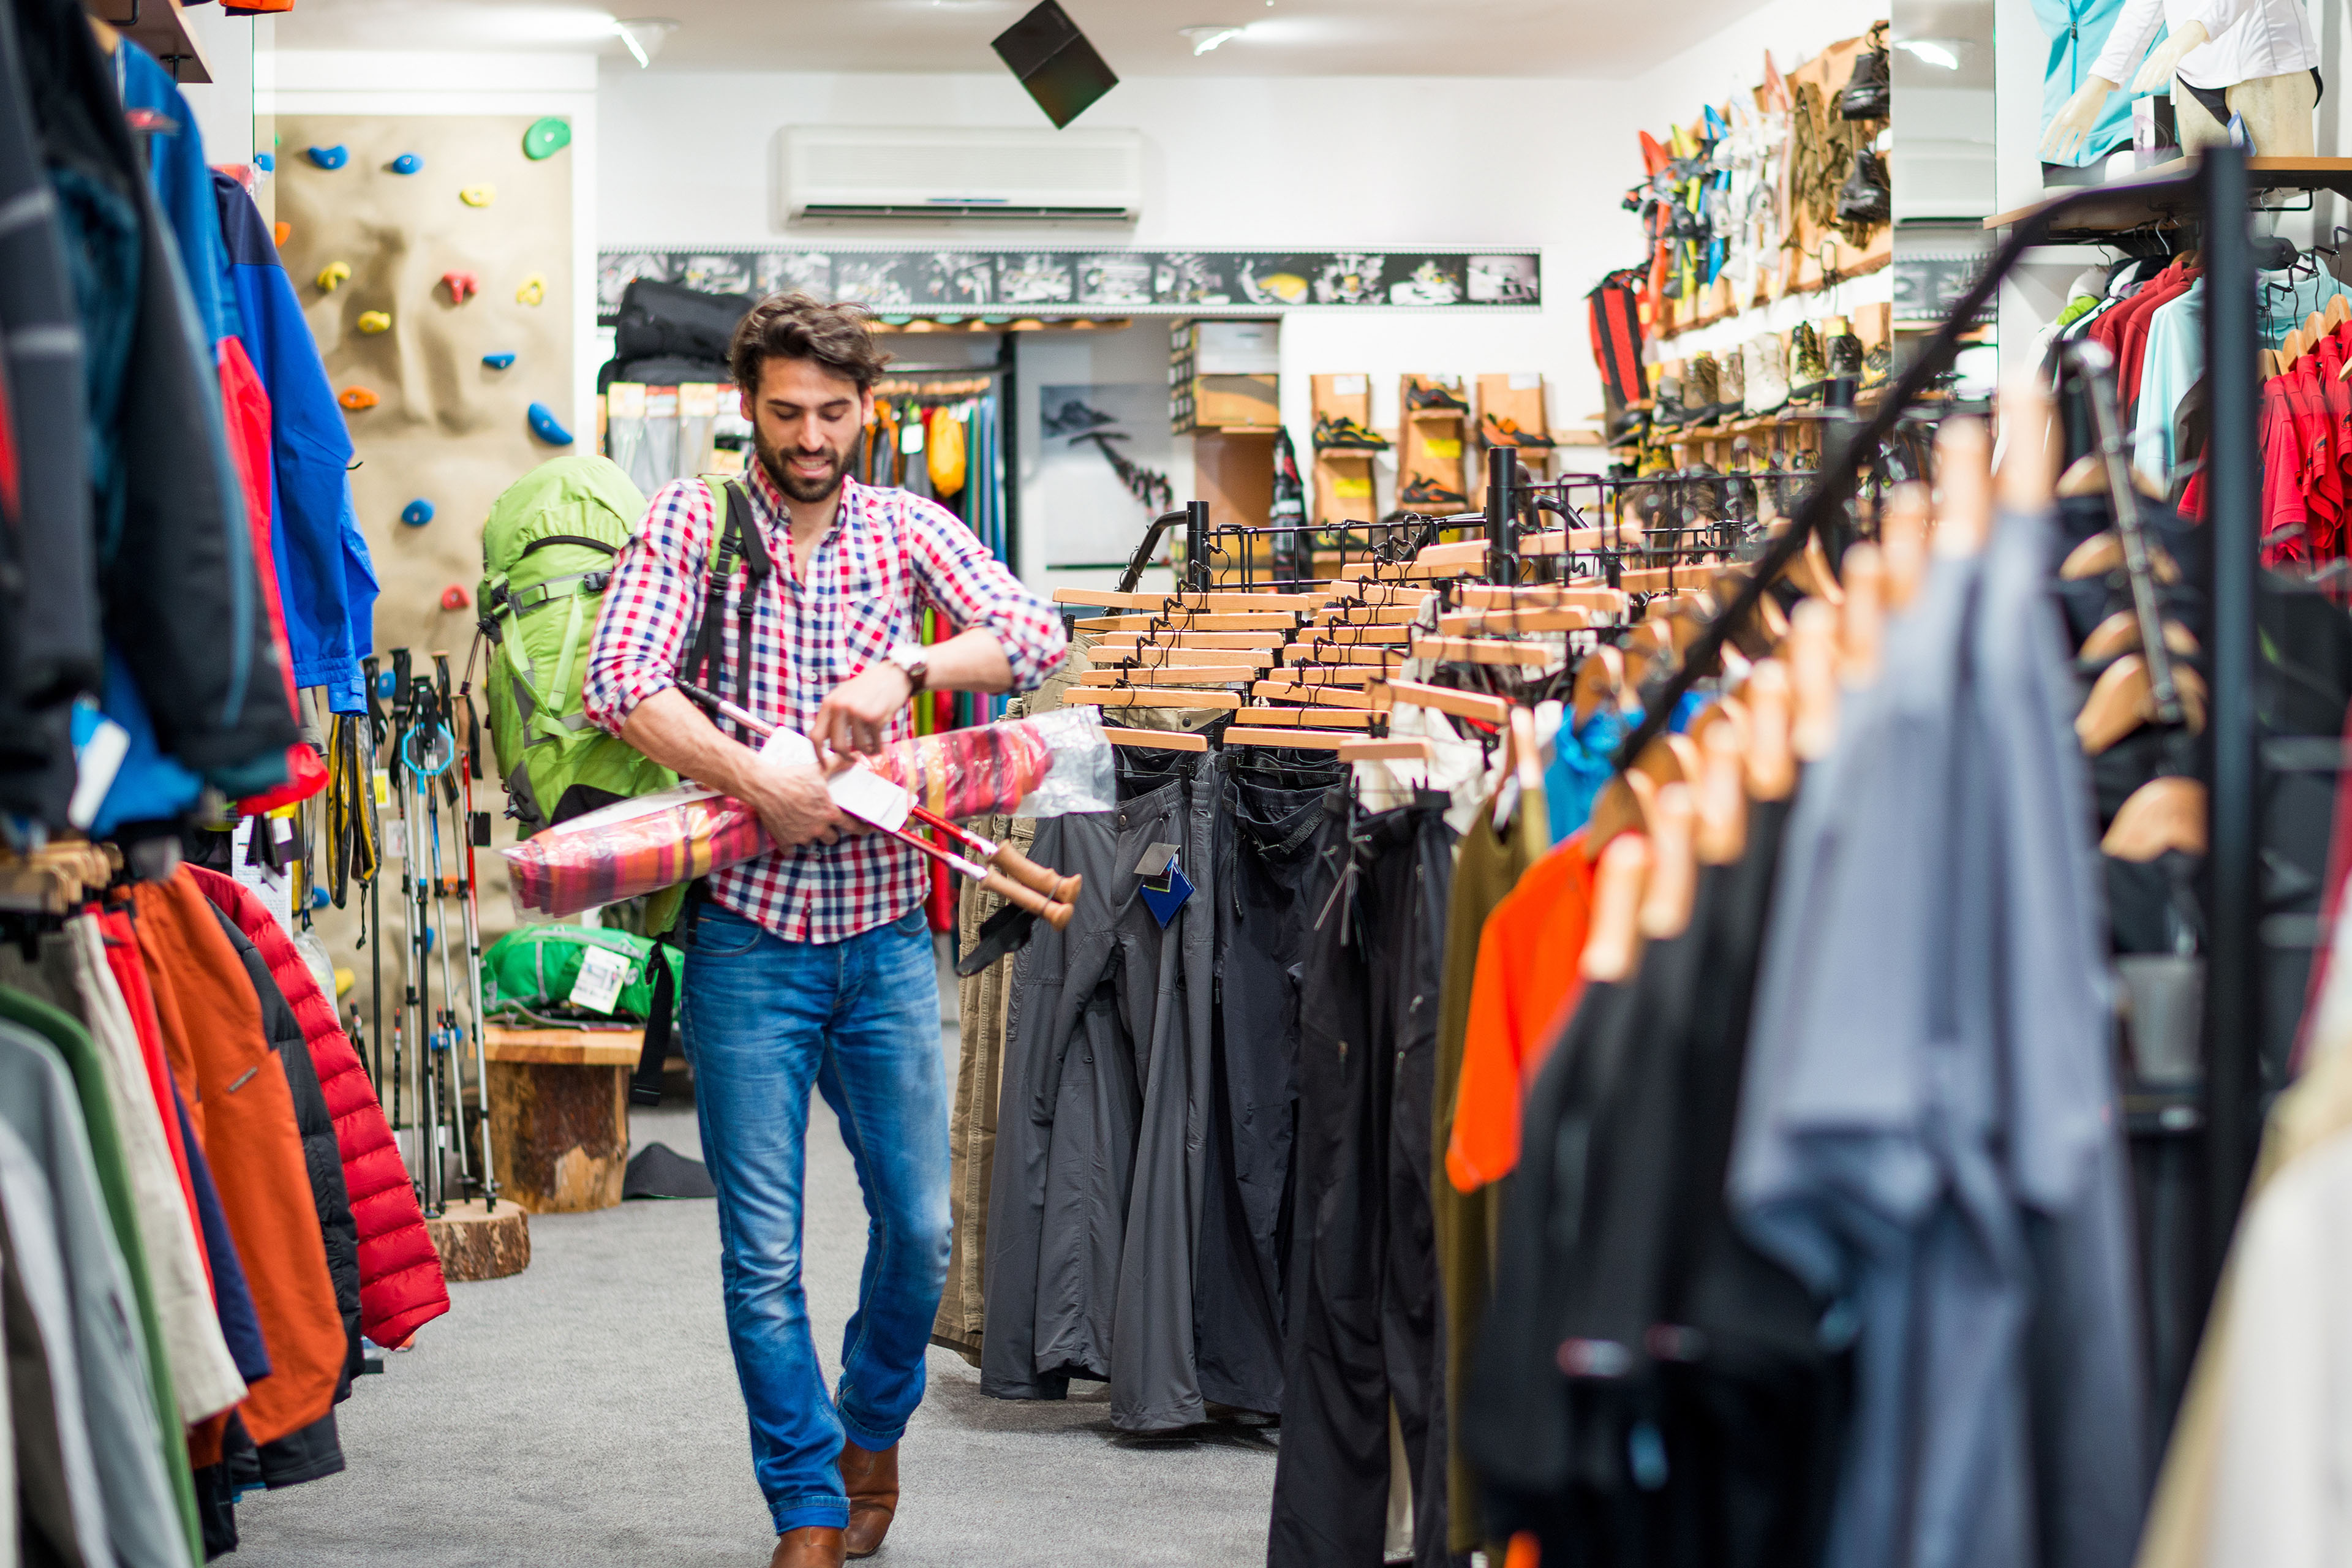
1052,911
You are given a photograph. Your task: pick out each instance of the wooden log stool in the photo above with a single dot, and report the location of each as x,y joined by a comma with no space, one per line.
477,1242
560,1115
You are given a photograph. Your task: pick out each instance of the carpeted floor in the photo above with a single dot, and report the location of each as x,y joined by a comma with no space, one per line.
584,1413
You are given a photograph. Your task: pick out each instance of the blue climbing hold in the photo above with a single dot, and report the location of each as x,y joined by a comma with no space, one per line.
407,164
418,513
333,157
543,425
266,162
319,900
498,362
385,686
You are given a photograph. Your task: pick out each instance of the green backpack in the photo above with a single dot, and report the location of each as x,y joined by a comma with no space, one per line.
529,973
548,551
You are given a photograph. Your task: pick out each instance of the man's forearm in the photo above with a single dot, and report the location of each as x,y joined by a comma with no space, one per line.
970,661
668,728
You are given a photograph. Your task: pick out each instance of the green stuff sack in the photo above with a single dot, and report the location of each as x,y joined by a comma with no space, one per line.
529,973
547,554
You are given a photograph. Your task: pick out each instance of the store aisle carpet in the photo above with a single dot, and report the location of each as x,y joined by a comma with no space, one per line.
584,1413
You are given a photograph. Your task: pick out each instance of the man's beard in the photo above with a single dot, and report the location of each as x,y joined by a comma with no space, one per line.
798,488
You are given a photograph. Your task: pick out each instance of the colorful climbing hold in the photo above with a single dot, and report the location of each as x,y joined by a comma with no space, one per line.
499,361
332,274
407,164
462,286
281,234
533,290
385,686
266,162
543,425
478,195
375,321
333,157
546,138
452,597
418,513
356,398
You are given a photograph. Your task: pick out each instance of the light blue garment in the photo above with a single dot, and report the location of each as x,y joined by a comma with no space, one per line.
2283,302
2077,31
1580,765
2174,360
766,1019
148,786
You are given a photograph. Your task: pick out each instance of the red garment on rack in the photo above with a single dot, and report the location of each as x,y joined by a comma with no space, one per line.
400,1284
2131,336
2286,515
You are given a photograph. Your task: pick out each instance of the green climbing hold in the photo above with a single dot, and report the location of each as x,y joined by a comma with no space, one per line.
546,138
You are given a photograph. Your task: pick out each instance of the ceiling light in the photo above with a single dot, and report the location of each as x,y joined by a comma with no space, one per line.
1208,35
645,37
1943,52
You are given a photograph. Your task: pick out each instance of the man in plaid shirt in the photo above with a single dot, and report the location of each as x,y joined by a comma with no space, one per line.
813,965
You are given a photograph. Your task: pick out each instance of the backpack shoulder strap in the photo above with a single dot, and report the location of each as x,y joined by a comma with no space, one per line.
735,535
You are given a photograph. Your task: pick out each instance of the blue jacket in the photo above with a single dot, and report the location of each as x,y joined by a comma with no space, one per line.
183,182
324,576
2077,31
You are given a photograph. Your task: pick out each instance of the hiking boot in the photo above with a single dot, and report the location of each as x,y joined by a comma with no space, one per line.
810,1546
1732,381
1702,390
1865,201
870,1477
1666,411
1764,373
1808,375
1629,427
1846,358
1425,491
1341,434
1877,365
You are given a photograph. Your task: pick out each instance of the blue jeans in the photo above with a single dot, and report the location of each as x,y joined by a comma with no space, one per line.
763,1019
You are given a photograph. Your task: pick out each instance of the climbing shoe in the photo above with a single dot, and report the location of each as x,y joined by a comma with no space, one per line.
1424,492
1341,434
1429,398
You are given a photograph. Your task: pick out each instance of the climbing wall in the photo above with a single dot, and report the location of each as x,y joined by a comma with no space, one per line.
444,428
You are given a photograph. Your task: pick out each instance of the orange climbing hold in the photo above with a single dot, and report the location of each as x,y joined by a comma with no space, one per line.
285,231
462,286
356,398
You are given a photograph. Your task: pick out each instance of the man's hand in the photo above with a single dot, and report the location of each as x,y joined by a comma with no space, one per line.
792,803
854,714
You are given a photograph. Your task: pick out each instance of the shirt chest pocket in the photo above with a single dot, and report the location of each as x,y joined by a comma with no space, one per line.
867,600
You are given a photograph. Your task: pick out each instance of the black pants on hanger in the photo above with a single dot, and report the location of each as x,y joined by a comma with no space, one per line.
1363,1329
1271,885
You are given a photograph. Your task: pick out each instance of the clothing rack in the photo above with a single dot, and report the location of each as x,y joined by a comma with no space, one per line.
2216,186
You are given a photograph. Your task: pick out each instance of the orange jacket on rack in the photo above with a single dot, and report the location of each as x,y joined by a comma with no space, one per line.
243,1112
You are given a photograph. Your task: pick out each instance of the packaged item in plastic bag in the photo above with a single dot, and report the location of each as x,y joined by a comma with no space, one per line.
1046,766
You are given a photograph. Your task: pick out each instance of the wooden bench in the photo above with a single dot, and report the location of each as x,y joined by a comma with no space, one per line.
560,1115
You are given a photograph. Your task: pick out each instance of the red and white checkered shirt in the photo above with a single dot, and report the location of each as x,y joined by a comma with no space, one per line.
886,554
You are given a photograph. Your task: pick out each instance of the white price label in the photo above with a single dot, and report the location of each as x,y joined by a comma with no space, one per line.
1350,385
911,437
601,974
395,841
1526,380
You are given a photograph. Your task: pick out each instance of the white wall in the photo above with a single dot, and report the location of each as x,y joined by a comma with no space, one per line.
1731,60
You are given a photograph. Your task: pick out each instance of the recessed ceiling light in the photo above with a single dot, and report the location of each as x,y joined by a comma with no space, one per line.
1207,36
1943,52
645,37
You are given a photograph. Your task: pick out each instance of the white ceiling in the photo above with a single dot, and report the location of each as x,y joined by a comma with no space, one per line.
1591,39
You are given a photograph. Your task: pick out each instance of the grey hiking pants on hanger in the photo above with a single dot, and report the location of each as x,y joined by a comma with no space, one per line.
1095,1195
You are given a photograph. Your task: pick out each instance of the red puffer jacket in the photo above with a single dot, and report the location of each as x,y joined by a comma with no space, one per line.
401,1288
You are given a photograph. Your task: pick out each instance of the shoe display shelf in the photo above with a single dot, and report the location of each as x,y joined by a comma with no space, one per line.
1433,449
1513,403
1343,477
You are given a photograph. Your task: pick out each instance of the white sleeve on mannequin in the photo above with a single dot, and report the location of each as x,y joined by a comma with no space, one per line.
2218,16
2135,24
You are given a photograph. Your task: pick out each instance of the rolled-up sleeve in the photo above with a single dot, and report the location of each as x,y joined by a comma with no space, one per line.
975,589
649,607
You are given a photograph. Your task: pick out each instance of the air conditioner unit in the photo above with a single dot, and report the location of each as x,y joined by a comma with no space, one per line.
886,171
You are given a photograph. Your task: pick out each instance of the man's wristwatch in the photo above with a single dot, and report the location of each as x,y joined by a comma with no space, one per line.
908,658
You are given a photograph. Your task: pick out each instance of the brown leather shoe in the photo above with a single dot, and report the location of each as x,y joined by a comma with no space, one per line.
810,1546
871,1479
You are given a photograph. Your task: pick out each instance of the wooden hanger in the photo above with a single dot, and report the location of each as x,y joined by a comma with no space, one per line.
2290,350
2087,476
1667,895
1903,543
2273,365
1771,764
2121,702
1669,759
2338,311
1600,679
2119,633
1812,679
2161,815
1862,620
1622,807
1612,942
2104,552
1445,699
1722,797
1155,740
